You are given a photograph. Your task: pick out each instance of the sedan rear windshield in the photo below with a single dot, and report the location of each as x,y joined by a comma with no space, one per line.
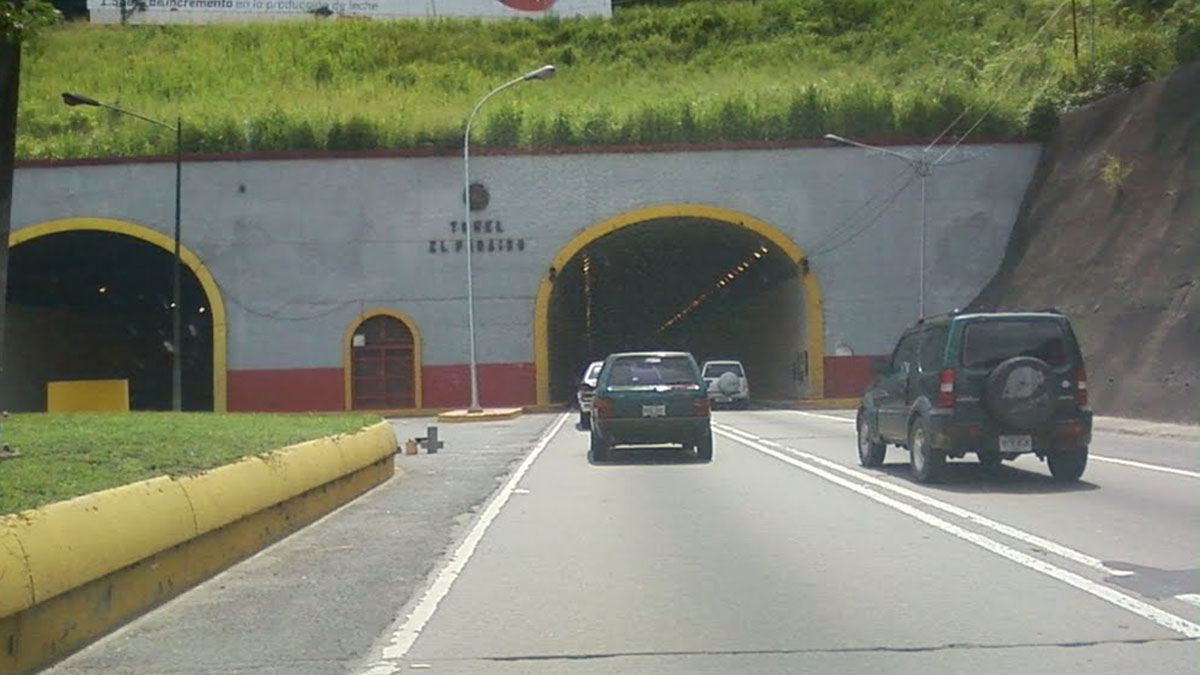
719,369
987,343
638,371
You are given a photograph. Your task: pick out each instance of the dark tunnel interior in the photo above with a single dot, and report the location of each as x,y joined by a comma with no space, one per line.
85,305
715,289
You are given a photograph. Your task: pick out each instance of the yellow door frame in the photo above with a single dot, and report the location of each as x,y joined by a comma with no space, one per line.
186,256
348,337
813,312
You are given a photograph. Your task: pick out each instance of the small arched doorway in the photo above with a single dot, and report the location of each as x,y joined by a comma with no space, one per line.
383,368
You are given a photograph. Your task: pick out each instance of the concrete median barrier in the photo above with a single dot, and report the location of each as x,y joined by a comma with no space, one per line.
73,570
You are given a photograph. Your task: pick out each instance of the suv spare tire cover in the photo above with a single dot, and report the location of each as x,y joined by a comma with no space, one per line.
729,384
1020,392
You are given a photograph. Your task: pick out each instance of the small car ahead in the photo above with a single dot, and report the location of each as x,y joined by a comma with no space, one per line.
585,391
727,383
645,398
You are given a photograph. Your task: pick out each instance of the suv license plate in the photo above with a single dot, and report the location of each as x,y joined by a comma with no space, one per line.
654,410
1016,444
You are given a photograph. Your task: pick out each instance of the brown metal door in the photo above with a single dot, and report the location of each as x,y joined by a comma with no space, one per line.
382,376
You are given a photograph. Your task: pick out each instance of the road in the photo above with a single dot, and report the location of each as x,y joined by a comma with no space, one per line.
780,556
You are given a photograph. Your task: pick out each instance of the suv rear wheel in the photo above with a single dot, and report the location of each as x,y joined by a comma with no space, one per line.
926,463
599,448
1067,465
870,453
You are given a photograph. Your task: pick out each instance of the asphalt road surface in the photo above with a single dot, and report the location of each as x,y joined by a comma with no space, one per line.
782,555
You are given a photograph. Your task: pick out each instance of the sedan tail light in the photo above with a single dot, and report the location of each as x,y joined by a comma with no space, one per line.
602,407
1081,397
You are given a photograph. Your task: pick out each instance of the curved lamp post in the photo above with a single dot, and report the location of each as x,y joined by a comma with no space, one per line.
176,344
923,168
545,72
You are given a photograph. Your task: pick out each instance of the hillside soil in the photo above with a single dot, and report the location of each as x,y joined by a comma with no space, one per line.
1109,233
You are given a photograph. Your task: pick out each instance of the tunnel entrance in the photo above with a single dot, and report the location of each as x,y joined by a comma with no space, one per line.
716,289
90,304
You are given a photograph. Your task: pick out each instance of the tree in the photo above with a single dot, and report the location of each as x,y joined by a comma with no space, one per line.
19,21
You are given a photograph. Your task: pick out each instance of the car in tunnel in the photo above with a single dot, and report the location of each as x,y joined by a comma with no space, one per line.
586,391
996,384
651,398
727,383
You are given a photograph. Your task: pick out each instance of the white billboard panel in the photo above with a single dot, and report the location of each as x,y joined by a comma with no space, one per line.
209,11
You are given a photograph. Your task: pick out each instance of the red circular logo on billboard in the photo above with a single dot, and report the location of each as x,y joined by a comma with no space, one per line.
529,5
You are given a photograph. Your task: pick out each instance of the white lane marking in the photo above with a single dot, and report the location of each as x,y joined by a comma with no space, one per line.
971,516
1144,610
823,416
1189,598
1150,467
403,638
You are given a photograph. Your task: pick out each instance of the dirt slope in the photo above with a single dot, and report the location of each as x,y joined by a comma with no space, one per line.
1110,233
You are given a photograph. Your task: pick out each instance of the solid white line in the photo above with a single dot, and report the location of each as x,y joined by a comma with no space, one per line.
1150,467
1144,610
971,516
835,418
1189,598
403,638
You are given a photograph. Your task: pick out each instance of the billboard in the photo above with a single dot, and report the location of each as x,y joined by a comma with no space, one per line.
209,11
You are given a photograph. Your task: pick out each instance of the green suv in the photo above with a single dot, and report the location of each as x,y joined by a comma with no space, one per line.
994,384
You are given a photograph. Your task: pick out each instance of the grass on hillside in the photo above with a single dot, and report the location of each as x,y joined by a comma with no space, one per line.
700,71
65,455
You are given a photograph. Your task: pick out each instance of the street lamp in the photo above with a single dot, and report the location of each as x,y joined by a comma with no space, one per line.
176,343
923,167
543,73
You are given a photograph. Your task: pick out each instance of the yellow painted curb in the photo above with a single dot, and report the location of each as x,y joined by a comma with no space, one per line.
489,415
75,569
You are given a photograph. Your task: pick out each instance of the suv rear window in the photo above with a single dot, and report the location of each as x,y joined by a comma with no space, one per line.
634,371
719,369
987,343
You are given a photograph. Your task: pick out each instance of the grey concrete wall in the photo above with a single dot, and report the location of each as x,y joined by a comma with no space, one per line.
300,247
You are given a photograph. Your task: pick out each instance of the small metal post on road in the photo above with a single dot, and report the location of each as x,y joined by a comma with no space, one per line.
432,443
176,299
542,73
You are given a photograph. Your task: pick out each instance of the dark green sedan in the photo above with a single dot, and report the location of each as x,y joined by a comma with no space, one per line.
651,398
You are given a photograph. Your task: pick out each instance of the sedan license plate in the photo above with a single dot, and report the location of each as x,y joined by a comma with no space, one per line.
654,410
1016,444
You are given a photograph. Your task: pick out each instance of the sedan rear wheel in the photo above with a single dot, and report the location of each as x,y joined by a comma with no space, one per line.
599,448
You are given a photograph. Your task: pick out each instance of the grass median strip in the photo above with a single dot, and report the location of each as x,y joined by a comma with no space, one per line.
64,455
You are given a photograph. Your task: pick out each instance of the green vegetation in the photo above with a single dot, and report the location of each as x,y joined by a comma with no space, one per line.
65,455
692,72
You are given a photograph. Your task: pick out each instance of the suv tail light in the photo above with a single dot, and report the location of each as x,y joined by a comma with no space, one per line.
945,393
1081,398
700,405
602,407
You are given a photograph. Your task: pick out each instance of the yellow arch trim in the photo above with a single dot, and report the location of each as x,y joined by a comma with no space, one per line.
349,335
186,256
813,311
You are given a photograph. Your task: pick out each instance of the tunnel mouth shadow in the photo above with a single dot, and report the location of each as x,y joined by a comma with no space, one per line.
970,477
647,455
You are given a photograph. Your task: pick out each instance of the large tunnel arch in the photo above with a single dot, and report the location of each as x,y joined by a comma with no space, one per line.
52,245
675,270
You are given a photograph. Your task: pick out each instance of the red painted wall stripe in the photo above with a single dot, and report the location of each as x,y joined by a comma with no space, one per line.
500,384
847,376
286,390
